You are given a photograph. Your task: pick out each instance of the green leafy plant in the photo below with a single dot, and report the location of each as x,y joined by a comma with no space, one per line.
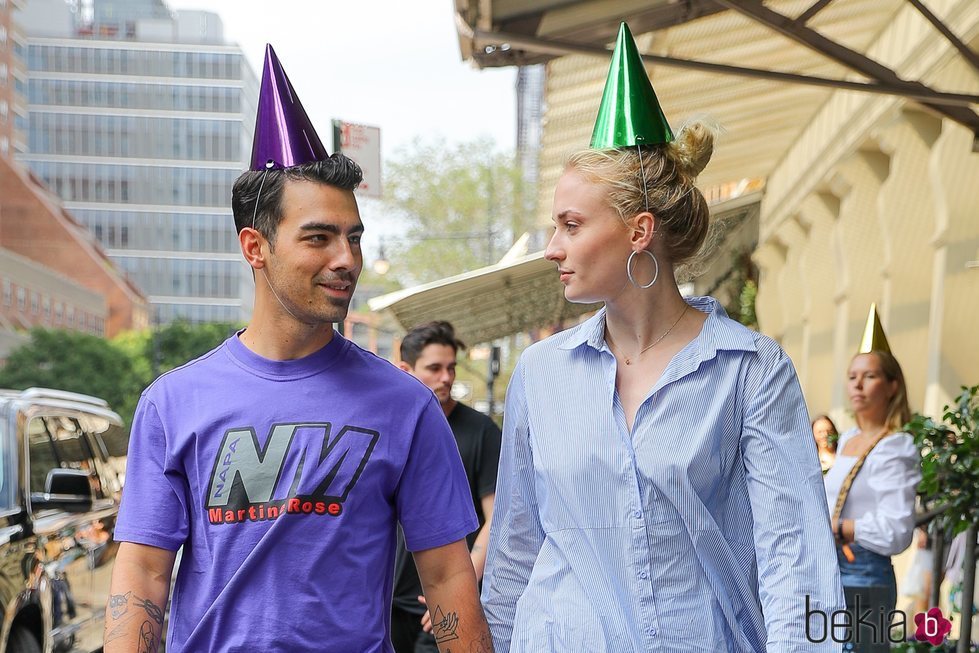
950,460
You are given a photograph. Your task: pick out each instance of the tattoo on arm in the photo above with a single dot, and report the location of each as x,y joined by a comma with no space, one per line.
152,609
148,639
444,626
119,604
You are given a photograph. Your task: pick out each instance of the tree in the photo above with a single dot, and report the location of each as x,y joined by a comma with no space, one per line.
155,351
116,370
950,485
76,362
463,206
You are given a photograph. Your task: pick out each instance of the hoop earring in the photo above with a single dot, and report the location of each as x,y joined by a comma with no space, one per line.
628,268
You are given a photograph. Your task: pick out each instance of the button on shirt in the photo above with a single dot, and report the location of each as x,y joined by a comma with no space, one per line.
678,536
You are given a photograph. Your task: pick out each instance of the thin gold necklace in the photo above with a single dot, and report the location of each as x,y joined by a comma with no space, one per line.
628,361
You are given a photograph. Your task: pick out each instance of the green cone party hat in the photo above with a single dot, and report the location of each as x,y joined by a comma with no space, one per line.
630,113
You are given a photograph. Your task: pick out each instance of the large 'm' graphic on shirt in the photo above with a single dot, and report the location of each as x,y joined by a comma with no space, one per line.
301,470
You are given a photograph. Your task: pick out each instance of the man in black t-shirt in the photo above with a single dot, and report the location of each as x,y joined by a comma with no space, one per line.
428,353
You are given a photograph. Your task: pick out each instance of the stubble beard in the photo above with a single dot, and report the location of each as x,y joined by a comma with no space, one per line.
318,311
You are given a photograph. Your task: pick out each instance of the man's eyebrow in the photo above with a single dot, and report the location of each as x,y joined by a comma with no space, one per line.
331,228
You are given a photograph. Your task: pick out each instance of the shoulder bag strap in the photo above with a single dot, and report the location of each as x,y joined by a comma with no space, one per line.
845,489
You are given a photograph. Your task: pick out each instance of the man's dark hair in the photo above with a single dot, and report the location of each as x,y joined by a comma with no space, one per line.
338,171
433,333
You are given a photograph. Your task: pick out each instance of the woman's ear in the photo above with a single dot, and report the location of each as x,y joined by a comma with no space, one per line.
251,242
643,228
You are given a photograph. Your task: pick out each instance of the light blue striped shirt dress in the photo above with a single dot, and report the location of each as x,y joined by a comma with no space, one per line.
704,529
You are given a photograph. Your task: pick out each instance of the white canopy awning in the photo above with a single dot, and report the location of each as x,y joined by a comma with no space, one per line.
489,303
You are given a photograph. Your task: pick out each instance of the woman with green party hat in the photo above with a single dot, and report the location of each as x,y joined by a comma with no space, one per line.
659,488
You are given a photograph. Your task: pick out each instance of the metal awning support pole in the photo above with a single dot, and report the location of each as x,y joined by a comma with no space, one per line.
559,48
852,59
813,9
937,23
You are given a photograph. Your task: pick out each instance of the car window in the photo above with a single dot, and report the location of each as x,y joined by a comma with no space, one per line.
59,441
8,467
106,439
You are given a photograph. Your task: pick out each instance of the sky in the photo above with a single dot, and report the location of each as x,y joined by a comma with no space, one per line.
393,64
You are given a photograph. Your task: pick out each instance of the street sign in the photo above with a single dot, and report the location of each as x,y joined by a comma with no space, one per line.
362,144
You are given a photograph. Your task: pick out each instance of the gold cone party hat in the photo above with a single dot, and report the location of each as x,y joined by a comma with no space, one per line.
873,334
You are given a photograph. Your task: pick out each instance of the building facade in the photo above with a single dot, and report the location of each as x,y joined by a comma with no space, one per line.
876,202
33,295
13,81
140,121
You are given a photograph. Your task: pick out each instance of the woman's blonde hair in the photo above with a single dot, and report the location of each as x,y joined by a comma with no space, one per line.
670,171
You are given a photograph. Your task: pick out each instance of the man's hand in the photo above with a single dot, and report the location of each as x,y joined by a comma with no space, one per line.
456,620
137,598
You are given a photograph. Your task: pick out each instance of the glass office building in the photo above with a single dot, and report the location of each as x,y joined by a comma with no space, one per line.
141,121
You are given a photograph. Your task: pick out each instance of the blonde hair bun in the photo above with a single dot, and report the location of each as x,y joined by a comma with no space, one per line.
694,146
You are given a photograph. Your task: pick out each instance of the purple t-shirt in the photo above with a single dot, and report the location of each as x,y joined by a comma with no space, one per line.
284,481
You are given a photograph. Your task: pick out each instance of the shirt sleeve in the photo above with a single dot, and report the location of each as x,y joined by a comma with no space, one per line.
489,463
433,501
794,548
516,535
894,472
154,508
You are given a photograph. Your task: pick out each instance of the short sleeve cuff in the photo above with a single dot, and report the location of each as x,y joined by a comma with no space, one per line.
431,540
149,538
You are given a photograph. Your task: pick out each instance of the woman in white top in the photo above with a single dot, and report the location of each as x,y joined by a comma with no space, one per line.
877,519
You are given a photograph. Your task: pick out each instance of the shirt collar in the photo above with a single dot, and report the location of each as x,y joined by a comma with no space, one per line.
719,332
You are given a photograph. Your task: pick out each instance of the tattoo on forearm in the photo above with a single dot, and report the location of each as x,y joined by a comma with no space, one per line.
121,622
119,604
149,639
152,609
444,625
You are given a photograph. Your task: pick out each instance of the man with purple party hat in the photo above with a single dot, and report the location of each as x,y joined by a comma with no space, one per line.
283,461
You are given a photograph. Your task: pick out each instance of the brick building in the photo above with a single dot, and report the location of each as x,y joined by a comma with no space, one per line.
33,225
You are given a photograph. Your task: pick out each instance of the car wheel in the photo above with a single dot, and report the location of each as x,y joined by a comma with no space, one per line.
22,641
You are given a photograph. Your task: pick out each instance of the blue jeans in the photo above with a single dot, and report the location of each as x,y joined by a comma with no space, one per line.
871,594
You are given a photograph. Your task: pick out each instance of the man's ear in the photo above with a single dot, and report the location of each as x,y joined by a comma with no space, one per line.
405,366
251,242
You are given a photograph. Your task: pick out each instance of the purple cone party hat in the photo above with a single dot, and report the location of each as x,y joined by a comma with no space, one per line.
284,135
630,113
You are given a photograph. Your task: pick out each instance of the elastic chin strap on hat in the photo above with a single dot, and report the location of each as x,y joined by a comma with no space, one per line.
642,171
276,295
268,166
